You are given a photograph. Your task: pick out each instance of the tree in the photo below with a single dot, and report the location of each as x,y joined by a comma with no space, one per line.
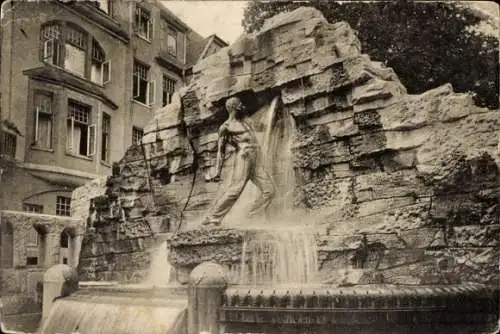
428,44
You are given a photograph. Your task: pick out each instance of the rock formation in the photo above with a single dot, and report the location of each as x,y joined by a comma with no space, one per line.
407,186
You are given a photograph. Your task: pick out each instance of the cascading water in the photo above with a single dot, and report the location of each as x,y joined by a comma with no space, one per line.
137,308
159,271
98,314
277,157
283,254
280,256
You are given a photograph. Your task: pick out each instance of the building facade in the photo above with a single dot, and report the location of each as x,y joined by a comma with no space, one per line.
79,81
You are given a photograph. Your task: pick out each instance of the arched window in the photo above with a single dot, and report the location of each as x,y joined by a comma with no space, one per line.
99,69
66,246
65,45
34,247
7,236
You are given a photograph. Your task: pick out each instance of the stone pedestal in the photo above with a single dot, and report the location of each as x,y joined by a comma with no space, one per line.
207,283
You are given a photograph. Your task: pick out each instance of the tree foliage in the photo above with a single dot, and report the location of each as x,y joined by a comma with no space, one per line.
428,44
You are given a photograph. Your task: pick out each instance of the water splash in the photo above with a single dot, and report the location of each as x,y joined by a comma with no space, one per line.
279,257
160,269
95,315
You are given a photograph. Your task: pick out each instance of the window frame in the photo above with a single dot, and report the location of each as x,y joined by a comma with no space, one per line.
38,208
54,49
172,34
62,207
90,130
29,260
76,37
138,77
9,143
105,138
50,116
137,134
140,13
166,84
98,59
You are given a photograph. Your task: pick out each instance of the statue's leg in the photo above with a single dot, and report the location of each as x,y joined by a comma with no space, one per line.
261,178
225,202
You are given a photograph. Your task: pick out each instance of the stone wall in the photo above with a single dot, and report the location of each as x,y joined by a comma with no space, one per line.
21,282
397,183
122,222
81,196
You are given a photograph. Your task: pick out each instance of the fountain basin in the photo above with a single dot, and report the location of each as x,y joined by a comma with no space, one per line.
360,309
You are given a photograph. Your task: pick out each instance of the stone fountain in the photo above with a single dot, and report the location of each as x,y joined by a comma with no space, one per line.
384,213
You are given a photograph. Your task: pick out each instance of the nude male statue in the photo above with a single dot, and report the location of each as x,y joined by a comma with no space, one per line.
239,134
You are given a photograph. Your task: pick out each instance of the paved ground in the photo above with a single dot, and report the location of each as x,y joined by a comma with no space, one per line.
25,322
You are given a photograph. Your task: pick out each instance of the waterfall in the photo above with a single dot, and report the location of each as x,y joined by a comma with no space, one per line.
159,271
279,256
97,315
282,254
278,159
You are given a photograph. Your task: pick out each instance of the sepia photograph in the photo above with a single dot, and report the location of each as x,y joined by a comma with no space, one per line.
249,167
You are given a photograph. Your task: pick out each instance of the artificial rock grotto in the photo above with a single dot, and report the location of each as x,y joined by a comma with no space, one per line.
404,189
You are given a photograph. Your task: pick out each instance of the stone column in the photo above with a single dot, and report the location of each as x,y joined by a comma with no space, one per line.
51,247
76,245
207,283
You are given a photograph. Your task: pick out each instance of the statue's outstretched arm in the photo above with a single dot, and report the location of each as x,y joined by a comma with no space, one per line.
221,150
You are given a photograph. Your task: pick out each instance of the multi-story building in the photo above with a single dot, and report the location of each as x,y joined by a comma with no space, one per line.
80,80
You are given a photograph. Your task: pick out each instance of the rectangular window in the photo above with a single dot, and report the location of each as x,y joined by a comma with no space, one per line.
144,88
63,206
168,90
76,45
32,261
43,120
9,144
106,137
172,42
137,135
143,23
35,208
74,60
80,132
52,50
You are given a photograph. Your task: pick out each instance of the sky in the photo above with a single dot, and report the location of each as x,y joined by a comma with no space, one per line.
224,17
211,17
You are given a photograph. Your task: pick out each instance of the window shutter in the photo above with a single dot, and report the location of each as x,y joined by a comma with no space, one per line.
137,89
49,134
37,115
151,28
48,49
70,142
106,72
91,142
151,92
